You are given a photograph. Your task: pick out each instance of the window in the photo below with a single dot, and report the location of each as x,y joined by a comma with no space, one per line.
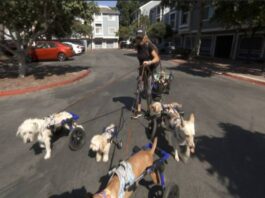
97,16
172,20
158,11
184,18
112,30
207,12
98,28
111,17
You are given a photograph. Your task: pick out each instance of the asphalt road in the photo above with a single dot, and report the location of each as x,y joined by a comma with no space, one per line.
230,133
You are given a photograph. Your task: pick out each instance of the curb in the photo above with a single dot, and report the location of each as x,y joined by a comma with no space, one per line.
229,75
43,87
250,80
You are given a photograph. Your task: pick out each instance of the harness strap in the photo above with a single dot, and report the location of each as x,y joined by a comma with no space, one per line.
105,193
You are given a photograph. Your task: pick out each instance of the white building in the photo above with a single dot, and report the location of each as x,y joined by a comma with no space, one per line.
105,27
145,9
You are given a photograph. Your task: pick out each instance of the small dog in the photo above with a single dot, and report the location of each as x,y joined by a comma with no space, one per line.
42,129
101,143
184,130
129,170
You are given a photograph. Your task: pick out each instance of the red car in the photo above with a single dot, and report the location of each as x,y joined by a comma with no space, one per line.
50,50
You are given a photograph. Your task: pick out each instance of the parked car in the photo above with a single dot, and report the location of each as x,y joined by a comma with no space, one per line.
167,47
50,50
126,44
78,49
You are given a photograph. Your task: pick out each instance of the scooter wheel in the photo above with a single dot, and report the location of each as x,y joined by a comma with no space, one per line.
77,138
171,191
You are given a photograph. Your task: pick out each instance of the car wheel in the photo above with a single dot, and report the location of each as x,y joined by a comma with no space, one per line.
61,57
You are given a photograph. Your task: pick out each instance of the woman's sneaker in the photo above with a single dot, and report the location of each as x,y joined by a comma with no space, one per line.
136,115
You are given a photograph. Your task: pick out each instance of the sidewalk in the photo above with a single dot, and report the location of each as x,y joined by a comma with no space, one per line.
207,67
40,76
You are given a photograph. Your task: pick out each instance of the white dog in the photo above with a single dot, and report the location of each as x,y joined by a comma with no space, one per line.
184,130
42,129
101,143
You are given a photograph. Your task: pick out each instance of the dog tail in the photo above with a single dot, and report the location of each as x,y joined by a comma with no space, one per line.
152,151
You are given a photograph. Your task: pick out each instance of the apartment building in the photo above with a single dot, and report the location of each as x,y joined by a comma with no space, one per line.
144,10
105,27
216,40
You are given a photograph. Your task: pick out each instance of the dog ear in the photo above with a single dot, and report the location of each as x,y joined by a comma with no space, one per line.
18,132
192,118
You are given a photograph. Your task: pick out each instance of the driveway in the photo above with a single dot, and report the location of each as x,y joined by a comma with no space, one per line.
230,135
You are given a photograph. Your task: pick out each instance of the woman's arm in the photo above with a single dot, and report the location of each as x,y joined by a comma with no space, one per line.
155,59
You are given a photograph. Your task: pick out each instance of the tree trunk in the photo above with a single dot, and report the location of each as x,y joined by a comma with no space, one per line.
21,58
197,46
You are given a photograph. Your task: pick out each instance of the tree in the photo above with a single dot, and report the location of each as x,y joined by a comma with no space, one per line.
127,9
126,32
157,30
245,16
26,21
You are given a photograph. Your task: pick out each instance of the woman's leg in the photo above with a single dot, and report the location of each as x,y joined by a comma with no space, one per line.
149,90
137,107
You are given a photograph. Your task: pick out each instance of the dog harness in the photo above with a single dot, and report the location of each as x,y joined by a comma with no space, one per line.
125,174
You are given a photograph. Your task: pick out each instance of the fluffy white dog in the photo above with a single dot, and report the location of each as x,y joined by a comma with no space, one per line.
101,143
42,129
184,130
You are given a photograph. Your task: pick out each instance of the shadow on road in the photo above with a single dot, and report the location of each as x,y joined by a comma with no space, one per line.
39,71
76,193
237,159
56,136
207,68
127,101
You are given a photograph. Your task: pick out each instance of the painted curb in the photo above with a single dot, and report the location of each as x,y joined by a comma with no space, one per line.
257,82
43,87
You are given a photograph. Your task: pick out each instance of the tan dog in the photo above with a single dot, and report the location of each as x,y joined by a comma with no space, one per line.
101,143
138,163
184,130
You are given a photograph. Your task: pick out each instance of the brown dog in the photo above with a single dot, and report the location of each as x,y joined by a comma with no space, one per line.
139,162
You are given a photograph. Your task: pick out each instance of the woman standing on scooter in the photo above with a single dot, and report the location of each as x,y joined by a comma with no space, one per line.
148,57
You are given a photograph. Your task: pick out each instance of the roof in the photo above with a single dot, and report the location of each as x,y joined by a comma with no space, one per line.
108,10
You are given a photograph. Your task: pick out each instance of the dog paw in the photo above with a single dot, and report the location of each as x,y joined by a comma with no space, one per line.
98,158
105,158
47,157
177,158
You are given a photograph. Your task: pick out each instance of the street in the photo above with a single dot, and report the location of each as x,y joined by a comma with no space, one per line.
229,120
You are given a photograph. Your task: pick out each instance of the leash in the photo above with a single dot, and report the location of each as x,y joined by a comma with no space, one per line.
119,128
96,90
